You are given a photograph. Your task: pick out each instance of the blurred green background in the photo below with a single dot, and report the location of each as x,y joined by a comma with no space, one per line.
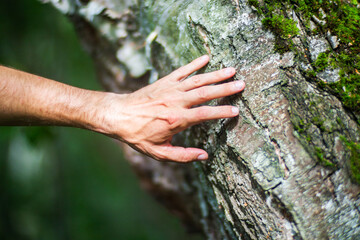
62,183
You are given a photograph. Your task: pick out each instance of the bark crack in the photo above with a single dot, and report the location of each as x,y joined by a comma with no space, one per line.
278,153
335,197
273,141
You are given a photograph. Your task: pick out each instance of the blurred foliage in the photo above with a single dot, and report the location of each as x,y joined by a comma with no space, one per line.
61,183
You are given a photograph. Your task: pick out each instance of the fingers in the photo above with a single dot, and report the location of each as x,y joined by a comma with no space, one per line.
206,79
207,93
188,69
180,154
205,113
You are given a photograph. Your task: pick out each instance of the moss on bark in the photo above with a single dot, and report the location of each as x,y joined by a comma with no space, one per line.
338,17
325,19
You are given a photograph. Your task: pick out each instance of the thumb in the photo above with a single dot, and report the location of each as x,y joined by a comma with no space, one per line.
181,154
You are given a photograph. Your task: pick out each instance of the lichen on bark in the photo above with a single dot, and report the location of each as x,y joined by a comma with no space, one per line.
328,46
338,21
282,169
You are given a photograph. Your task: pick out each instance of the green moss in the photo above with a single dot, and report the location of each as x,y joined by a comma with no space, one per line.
299,129
354,149
254,3
341,18
348,89
321,62
311,74
283,27
284,30
320,156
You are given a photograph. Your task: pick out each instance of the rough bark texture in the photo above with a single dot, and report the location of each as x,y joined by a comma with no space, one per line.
266,176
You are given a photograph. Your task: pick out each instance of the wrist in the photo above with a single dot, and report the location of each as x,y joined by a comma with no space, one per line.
103,113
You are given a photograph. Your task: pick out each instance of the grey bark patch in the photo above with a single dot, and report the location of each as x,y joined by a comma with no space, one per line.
329,75
333,40
317,46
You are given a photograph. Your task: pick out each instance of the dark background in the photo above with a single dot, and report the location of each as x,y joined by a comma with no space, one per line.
62,183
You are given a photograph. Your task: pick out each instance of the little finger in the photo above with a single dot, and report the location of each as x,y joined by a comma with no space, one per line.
205,113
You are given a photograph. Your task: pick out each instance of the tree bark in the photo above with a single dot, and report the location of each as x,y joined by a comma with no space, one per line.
278,171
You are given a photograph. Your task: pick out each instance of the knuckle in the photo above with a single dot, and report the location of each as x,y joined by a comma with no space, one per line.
160,155
202,94
161,102
196,81
183,156
174,120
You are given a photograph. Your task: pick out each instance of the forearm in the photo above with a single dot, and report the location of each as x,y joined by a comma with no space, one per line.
27,99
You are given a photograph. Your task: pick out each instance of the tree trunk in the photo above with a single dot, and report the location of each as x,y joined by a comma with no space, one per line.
288,166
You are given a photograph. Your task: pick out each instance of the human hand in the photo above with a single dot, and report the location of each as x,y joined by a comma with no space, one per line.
148,118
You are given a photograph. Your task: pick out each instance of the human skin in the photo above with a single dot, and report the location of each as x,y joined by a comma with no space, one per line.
146,119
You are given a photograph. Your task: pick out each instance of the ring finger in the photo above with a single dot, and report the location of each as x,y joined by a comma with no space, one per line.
207,93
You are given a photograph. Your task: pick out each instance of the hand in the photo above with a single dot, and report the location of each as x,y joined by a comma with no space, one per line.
148,118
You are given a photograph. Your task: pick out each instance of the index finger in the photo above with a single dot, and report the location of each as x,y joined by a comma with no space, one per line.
184,71
206,79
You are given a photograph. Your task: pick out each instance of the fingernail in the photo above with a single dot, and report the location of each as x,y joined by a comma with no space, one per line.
202,157
235,110
205,58
229,71
239,84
